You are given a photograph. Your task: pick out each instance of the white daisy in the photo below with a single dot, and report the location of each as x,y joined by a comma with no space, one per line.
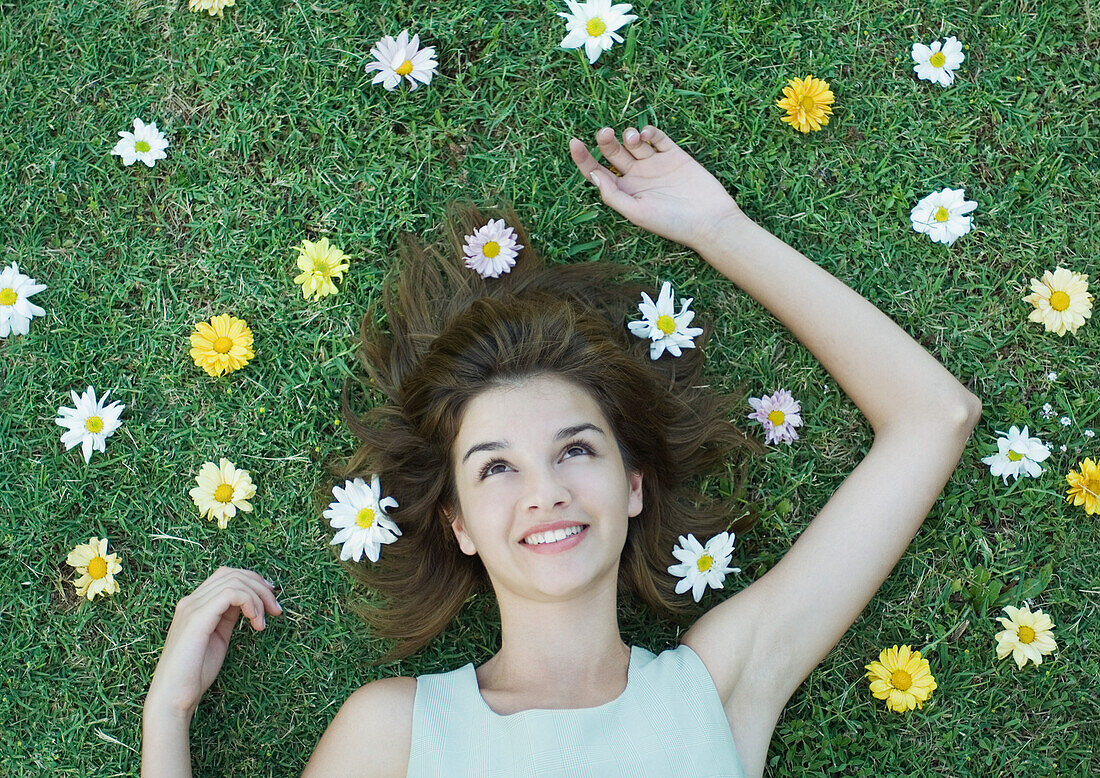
593,26
90,423
703,565
665,328
400,57
942,215
146,143
1017,455
16,311
359,512
492,249
937,63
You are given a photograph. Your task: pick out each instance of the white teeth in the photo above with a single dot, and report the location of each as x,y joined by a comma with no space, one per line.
553,536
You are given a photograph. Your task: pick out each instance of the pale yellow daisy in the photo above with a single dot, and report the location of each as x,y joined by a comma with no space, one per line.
222,490
902,678
96,567
222,346
1026,635
213,7
320,263
1084,487
1061,299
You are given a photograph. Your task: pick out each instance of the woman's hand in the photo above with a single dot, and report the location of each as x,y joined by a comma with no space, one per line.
198,637
662,188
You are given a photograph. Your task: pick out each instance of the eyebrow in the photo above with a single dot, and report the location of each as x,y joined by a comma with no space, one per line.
565,432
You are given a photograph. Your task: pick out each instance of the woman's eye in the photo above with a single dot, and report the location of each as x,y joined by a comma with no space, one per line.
577,448
491,469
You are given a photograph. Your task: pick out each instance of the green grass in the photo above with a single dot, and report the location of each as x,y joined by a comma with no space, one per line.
278,135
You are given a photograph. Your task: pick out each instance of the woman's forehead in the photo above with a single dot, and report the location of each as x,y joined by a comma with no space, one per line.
534,406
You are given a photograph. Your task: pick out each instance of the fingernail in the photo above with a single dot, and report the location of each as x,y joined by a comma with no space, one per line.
280,607
595,180
631,136
269,583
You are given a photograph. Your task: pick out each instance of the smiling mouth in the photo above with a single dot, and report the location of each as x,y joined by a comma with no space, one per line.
554,536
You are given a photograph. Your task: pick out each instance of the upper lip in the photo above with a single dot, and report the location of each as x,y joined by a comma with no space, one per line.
538,528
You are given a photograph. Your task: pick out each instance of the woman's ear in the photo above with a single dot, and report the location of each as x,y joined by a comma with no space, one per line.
634,503
458,526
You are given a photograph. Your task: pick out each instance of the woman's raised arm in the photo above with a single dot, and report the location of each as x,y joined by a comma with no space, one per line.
771,635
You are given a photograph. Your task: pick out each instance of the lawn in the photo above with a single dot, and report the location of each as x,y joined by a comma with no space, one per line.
277,135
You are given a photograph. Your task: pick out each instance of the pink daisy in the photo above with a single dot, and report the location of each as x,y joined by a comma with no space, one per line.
779,414
492,249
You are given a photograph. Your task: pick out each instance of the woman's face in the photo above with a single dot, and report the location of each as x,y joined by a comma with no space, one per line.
536,457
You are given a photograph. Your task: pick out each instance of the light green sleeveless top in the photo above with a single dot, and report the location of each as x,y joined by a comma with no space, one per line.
667,723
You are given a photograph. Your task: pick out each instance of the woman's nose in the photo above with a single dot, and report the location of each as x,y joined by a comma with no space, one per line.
546,490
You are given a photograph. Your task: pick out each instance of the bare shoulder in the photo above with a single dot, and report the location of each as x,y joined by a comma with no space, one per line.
350,748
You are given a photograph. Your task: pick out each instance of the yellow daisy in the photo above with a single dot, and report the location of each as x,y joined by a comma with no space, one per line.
214,7
902,678
96,567
319,263
1062,301
222,490
1084,487
808,103
222,346
1026,635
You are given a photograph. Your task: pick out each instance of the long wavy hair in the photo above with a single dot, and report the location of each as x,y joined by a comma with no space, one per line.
443,335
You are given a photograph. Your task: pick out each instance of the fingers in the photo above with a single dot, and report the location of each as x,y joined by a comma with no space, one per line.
636,144
228,588
657,139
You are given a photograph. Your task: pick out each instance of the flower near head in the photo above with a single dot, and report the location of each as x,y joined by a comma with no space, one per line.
492,249
1084,486
213,7
359,513
401,57
1017,454
902,678
666,329
1062,301
222,345
942,215
1026,635
96,568
146,143
779,413
222,491
703,566
90,422
593,25
320,263
937,62
808,103
16,309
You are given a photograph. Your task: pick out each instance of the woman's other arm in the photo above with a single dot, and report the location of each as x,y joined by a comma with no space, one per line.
194,650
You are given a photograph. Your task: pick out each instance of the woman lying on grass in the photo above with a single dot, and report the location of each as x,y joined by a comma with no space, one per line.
533,445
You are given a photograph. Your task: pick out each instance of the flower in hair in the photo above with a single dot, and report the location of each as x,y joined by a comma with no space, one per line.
492,249
779,413
359,513
665,328
702,566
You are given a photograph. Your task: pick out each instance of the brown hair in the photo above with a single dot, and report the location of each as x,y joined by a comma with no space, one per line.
451,335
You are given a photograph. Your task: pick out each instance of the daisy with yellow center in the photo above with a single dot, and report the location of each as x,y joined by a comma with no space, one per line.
665,329
1062,301
213,7
492,250
942,215
222,346
320,263
1017,455
90,422
780,414
808,103
938,61
222,491
359,513
1026,635
400,57
902,678
593,25
96,568
16,309
702,566
1084,487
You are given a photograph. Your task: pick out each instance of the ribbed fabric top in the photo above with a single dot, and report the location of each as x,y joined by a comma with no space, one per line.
668,722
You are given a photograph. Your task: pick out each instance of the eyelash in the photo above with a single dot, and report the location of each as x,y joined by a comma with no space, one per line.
484,472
